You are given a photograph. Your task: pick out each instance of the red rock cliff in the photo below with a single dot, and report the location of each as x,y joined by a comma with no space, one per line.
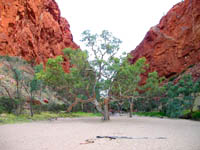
174,44
33,29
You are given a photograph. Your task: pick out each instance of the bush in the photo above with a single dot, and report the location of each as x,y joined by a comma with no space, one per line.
196,115
2,109
37,109
7,104
191,115
150,114
54,107
175,108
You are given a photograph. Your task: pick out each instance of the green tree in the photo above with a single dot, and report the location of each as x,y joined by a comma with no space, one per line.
153,91
126,81
53,74
22,77
11,65
7,105
87,78
94,80
31,86
180,96
172,103
153,86
188,88
78,85
104,47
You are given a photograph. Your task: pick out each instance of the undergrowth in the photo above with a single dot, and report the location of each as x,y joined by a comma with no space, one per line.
150,114
6,118
187,114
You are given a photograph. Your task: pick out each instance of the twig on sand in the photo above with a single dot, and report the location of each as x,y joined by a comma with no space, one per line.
88,141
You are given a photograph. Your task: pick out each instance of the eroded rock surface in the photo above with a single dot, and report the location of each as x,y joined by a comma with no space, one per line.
34,30
174,44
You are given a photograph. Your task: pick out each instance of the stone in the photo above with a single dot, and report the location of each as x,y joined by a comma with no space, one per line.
34,30
174,44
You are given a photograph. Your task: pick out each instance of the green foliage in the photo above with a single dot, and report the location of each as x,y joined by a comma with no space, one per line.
38,68
11,118
103,48
191,66
54,107
12,66
153,86
191,115
13,59
171,99
175,108
2,109
84,114
180,96
7,105
34,84
152,91
20,81
86,78
150,114
196,115
127,79
53,74
105,43
103,76
17,74
80,76
173,78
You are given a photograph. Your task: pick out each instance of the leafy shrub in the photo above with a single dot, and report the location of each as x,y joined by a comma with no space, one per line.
37,109
180,96
7,104
54,107
174,108
196,115
150,114
2,109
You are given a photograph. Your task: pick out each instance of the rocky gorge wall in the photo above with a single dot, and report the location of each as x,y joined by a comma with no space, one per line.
33,30
174,44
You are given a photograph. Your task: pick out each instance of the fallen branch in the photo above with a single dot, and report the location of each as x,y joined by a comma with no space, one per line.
126,137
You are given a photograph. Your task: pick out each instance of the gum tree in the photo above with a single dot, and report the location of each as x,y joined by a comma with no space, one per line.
32,86
87,78
78,85
153,90
126,82
90,79
11,66
102,48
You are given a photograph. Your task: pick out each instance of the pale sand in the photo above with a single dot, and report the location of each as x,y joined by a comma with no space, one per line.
71,134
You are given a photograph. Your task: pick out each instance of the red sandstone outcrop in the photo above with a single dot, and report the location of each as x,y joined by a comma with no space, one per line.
34,30
174,44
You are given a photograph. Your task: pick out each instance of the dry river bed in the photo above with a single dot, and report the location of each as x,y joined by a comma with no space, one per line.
80,134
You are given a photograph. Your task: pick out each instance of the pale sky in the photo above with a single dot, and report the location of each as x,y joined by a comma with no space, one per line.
128,20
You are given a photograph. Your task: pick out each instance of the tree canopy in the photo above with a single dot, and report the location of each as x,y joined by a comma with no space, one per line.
94,80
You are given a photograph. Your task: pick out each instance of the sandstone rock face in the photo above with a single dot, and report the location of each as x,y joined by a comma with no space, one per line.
34,30
174,44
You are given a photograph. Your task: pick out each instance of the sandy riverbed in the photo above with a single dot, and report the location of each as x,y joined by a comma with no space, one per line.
80,134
